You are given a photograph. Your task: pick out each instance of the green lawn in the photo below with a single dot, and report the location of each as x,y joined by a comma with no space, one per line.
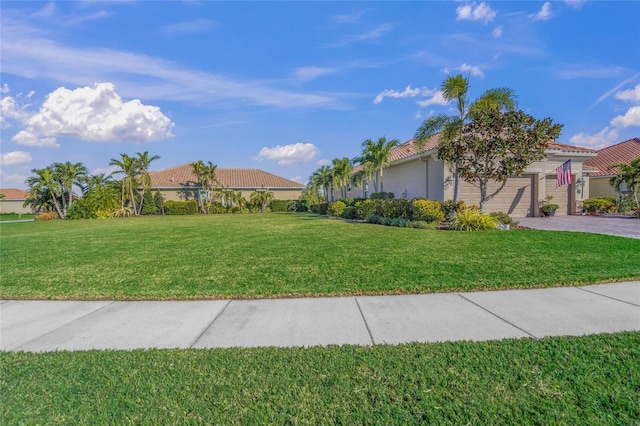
270,255
562,380
16,216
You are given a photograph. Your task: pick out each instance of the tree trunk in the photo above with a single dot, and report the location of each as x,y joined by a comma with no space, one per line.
57,205
456,186
381,182
133,200
483,194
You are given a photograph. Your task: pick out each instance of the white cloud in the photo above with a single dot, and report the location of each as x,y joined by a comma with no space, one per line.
465,68
14,157
296,179
288,155
28,138
544,14
599,140
5,89
13,179
631,95
105,170
323,162
390,93
497,32
631,118
311,73
576,4
99,114
436,99
471,12
374,34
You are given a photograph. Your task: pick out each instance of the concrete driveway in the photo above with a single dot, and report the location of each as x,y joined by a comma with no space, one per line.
610,225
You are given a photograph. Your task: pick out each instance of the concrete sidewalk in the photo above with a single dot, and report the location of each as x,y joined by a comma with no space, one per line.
609,225
40,326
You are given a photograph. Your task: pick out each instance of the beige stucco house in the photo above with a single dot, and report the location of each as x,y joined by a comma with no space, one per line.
623,152
420,174
13,200
180,183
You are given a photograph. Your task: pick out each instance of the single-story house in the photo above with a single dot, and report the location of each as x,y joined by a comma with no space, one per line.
623,152
420,174
12,200
180,183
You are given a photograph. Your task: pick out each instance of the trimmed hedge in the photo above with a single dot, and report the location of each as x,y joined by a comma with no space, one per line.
320,208
604,204
336,208
280,206
177,208
427,211
382,196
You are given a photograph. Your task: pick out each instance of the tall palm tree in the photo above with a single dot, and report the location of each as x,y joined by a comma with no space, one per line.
342,170
44,190
322,178
69,174
628,174
129,166
144,161
456,88
375,158
205,175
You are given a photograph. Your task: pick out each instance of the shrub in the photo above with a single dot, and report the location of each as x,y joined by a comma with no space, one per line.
396,208
320,208
427,211
374,218
336,208
421,224
299,206
181,207
385,221
81,209
280,205
400,222
625,204
503,218
604,204
382,196
46,216
367,207
449,208
217,208
149,205
123,212
158,199
350,212
471,220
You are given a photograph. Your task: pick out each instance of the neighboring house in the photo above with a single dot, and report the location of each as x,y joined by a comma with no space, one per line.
180,183
414,174
623,152
13,200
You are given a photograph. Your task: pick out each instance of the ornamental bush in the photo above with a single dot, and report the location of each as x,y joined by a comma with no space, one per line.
367,207
427,211
421,224
280,205
320,208
382,196
336,208
396,208
149,204
350,212
449,208
46,216
181,207
81,209
473,220
604,204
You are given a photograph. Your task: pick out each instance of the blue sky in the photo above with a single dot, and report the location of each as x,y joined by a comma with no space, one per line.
288,86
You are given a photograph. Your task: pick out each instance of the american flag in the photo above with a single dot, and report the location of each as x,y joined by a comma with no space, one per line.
563,174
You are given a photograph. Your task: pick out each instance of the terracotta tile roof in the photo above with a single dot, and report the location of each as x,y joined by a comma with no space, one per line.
14,194
408,149
181,176
623,152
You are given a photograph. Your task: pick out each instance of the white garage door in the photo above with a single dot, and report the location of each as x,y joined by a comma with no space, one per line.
515,199
560,195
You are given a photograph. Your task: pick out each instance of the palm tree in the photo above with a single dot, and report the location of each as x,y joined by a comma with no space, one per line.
322,178
261,199
456,88
101,192
205,175
69,174
628,174
144,161
375,157
128,166
342,170
44,190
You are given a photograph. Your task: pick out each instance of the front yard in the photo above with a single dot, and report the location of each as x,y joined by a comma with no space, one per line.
285,255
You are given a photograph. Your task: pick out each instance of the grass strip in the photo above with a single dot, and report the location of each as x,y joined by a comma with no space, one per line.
559,380
281,255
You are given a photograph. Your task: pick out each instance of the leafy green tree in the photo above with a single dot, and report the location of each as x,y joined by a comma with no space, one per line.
322,179
342,170
143,162
45,191
129,167
68,174
149,206
206,177
628,174
260,199
375,158
456,88
158,199
495,146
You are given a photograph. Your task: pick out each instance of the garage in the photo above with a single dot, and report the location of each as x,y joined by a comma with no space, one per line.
561,196
516,198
